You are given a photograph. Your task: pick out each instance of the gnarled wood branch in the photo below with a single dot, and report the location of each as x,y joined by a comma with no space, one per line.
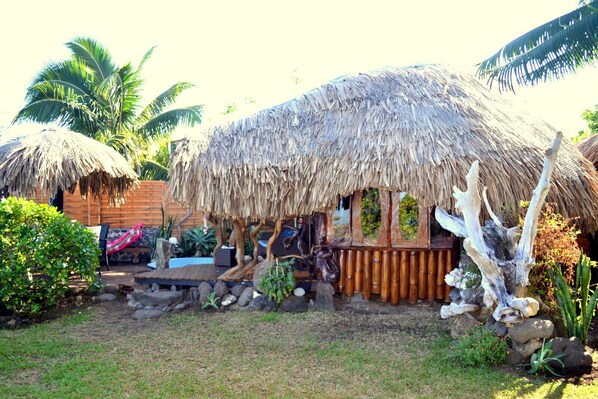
524,254
497,275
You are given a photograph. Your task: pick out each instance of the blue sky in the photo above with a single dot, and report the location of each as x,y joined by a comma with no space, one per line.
233,50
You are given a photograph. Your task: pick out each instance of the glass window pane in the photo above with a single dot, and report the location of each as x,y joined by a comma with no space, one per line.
408,217
371,218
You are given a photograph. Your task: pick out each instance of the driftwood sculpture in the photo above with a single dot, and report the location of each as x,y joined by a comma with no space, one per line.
504,263
319,257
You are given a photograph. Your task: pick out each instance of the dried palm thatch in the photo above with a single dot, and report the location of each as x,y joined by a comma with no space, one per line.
59,159
589,148
414,129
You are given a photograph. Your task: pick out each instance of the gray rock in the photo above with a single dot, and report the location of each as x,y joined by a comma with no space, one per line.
162,254
514,358
204,290
228,300
104,298
221,289
294,304
500,329
173,287
159,299
147,314
148,307
462,324
180,306
111,289
166,309
193,294
531,329
528,348
263,303
455,295
259,273
246,297
299,291
574,351
237,290
155,287
138,306
11,323
325,297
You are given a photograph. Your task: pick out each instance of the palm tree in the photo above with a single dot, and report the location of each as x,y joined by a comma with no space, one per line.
91,95
551,50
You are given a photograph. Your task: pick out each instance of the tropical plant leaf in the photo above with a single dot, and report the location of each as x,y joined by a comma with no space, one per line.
94,55
163,101
551,50
166,122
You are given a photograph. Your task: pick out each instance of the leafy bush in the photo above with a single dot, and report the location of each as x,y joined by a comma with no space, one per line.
196,242
576,304
556,242
39,250
278,282
480,347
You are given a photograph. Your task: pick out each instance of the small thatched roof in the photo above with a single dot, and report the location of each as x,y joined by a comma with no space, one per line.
589,148
59,159
415,129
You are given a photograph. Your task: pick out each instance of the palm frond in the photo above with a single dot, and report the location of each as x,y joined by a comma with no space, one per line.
151,170
163,101
551,50
166,122
94,55
67,113
146,57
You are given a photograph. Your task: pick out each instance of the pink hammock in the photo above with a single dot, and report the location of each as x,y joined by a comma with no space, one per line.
125,240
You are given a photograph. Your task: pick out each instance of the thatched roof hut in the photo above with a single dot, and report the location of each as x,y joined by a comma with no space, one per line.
589,148
59,159
414,129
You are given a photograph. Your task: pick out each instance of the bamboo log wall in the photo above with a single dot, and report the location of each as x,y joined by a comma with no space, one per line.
396,274
142,206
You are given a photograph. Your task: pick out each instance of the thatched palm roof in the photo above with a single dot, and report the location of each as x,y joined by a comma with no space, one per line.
589,148
415,129
59,159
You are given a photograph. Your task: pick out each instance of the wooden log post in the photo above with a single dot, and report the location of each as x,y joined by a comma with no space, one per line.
376,270
367,274
394,278
413,277
342,264
359,271
440,276
431,276
449,268
240,232
404,275
423,271
385,278
350,283
275,234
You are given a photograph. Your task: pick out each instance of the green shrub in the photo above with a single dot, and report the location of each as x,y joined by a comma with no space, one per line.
196,242
480,347
39,250
278,282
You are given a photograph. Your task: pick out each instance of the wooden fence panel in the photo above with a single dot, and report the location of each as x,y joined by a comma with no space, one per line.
142,206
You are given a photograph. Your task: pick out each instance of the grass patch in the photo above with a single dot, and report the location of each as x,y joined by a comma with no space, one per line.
103,353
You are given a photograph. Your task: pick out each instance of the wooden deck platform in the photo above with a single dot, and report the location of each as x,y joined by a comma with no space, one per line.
194,275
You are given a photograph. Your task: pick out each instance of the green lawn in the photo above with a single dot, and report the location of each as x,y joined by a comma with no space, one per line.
101,352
